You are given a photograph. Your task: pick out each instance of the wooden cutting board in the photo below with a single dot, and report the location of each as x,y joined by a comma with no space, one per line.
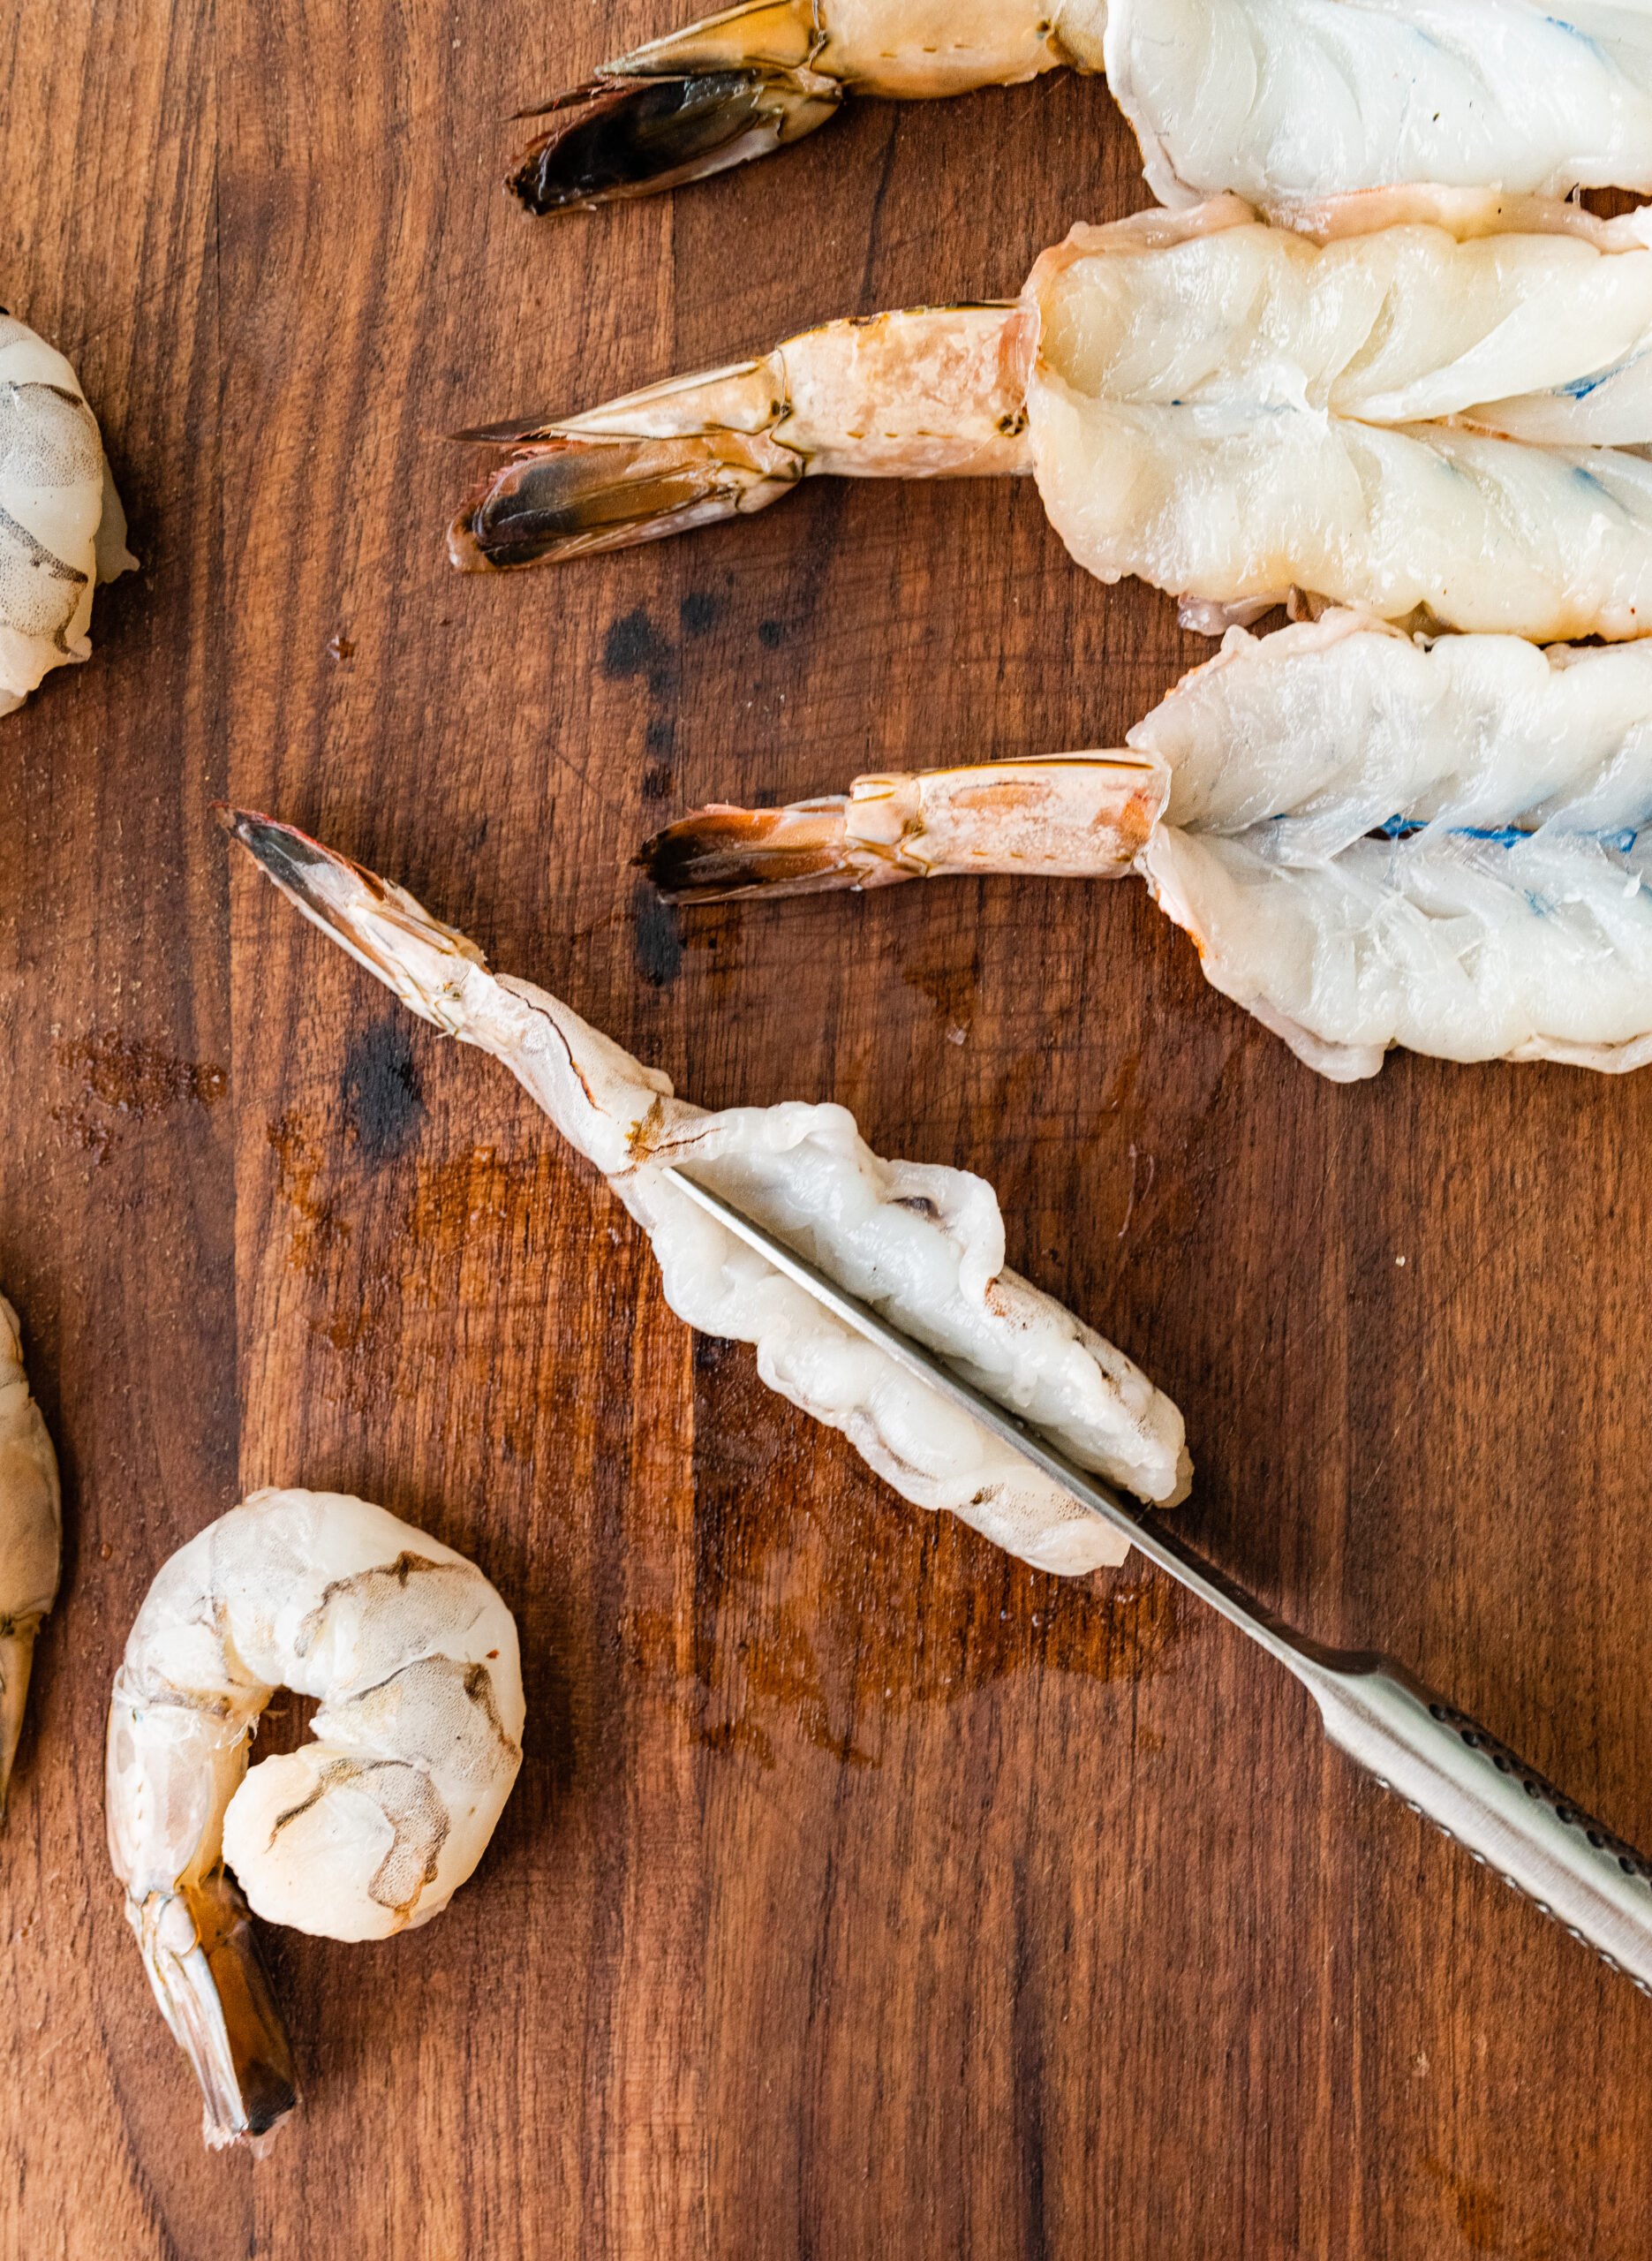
864,1894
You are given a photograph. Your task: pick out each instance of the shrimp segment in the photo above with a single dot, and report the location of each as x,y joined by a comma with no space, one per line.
1075,815
1372,841
1397,404
923,1243
364,1832
31,1537
61,527
929,394
760,76
1279,100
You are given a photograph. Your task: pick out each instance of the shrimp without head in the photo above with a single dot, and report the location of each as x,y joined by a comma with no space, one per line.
1278,99
364,1832
1430,407
31,1536
923,1243
1373,842
61,527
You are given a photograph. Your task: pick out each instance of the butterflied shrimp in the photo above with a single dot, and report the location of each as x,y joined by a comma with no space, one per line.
1373,842
31,1536
923,1243
364,1832
1277,99
61,527
1429,407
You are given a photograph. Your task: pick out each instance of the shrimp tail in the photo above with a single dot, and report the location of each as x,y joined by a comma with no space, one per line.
622,136
17,1654
927,392
721,852
207,1972
382,927
568,497
681,108
1073,816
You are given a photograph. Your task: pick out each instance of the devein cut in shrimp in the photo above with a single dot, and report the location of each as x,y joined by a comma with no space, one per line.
1430,405
923,1243
61,527
365,1831
1276,99
31,1536
1372,841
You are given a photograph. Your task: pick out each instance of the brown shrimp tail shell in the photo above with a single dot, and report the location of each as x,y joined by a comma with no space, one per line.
570,497
718,852
624,136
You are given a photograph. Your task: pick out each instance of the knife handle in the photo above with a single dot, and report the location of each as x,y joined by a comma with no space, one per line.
1446,1766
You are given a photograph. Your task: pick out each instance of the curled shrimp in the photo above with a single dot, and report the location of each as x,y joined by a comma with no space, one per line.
31,1536
61,527
922,1241
366,1831
1277,99
1372,841
1433,407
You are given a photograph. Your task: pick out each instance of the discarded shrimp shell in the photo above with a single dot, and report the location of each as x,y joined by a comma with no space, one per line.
1277,99
61,527
1372,841
1430,406
923,1242
31,1536
360,1834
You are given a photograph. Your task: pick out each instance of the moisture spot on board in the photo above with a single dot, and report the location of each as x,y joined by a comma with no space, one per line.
658,937
634,646
699,612
379,1090
771,634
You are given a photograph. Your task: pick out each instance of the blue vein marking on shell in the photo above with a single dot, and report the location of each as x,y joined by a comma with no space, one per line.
1583,39
1581,388
1505,836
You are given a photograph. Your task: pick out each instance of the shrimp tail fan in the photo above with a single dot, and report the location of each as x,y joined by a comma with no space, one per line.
210,1979
720,852
679,110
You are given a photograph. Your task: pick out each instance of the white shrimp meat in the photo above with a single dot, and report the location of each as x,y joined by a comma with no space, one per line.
922,1243
1237,411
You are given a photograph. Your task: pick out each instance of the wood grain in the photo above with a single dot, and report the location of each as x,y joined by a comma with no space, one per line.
865,1893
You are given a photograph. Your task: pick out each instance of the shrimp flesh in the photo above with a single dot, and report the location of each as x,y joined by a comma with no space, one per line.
1434,407
1277,99
61,527
1372,841
364,1832
31,1536
923,1243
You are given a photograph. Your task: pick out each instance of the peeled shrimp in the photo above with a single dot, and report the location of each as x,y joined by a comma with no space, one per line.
1373,842
1429,406
61,527
367,1830
1277,99
922,1241
31,1536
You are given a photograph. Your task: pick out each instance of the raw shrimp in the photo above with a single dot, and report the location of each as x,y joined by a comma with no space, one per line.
1278,99
1372,841
31,1536
61,527
923,1242
366,1831
1430,406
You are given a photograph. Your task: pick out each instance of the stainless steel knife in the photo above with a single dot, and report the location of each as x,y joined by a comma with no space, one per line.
1415,1742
